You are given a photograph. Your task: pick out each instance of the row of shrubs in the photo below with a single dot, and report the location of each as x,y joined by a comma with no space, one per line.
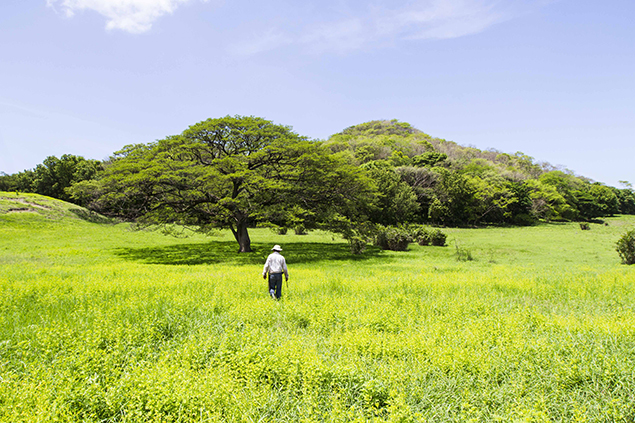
397,238
299,230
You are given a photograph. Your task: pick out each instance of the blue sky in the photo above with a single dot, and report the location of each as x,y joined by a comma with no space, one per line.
554,79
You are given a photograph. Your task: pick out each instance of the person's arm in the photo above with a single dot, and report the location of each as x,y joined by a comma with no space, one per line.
265,269
284,269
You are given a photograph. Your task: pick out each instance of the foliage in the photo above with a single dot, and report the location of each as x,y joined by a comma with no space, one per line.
394,141
9,182
437,238
238,172
421,181
424,235
626,247
626,199
392,238
396,200
300,230
584,200
53,177
605,199
454,199
233,173
424,238
381,127
357,245
547,203
281,230
468,186
397,238
429,159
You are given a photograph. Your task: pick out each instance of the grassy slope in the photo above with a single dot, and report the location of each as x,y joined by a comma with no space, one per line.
100,323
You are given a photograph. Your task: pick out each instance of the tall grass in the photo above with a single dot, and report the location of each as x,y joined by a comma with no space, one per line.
102,324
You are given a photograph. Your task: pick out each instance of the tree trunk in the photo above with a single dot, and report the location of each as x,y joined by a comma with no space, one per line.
242,237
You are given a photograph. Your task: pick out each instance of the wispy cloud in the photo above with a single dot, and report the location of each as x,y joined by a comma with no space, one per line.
376,24
342,25
135,16
445,19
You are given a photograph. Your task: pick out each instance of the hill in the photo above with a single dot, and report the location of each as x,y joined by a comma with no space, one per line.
37,206
448,184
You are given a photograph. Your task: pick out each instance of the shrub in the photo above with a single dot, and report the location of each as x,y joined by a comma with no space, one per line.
300,230
424,238
357,245
392,238
419,233
281,231
437,238
626,247
585,226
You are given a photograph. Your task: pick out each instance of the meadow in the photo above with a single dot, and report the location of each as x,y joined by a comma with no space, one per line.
101,323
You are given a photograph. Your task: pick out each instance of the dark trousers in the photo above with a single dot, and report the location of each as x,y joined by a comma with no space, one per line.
275,284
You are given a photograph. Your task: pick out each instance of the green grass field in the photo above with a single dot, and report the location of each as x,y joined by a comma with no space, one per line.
99,323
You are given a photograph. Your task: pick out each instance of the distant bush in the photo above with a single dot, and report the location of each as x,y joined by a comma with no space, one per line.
418,233
437,238
357,245
397,238
300,230
426,236
626,247
392,238
585,226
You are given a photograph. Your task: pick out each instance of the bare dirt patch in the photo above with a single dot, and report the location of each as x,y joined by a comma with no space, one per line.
29,203
22,210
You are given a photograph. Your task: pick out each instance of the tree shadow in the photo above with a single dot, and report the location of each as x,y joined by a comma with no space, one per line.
225,252
91,216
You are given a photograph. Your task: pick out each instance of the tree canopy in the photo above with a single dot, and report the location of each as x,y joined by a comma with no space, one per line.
53,177
233,173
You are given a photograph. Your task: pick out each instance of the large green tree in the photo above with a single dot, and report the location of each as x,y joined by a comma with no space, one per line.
233,173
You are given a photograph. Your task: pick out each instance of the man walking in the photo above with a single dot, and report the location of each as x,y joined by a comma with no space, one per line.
276,265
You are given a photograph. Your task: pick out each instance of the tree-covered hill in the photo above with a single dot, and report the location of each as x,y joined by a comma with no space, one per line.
427,179
412,176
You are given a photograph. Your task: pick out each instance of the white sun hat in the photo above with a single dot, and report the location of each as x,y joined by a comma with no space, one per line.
276,248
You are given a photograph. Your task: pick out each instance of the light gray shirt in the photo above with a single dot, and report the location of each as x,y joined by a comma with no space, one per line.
275,264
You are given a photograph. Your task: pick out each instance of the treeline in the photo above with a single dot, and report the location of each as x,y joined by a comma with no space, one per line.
54,177
417,179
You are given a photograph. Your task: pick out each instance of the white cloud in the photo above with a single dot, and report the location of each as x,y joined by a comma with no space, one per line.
376,24
445,19
133,16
